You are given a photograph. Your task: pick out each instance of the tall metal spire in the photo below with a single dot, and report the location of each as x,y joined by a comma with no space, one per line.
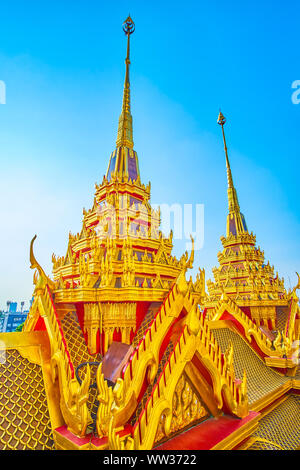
125,136
235,221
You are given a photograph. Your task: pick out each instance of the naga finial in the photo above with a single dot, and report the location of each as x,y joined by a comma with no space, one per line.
191,260
297,287
188,262
35,265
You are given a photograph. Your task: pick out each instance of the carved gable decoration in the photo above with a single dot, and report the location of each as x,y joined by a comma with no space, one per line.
187,408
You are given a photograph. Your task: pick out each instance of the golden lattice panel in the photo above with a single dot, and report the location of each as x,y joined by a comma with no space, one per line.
264,444
261,380
150,314
24,416
281,317
280,429
75,340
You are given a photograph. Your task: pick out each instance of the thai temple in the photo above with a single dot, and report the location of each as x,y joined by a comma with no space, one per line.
123,350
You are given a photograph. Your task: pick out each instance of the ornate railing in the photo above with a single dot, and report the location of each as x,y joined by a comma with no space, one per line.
219,366
143,364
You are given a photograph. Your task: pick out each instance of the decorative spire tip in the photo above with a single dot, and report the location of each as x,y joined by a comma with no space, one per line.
221,119
128,26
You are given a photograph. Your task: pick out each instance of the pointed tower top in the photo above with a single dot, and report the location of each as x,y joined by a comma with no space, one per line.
236,223
125,137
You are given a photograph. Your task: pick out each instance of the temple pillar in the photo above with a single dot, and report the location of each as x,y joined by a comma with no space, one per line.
92,323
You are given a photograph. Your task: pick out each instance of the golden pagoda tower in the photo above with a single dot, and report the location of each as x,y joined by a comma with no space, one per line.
119,268
243,274
245,292
255,323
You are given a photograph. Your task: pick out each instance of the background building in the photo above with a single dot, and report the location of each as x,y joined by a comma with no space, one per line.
12,317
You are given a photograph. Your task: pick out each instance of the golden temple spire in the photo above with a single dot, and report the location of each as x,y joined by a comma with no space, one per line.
235,221
123,162
125,136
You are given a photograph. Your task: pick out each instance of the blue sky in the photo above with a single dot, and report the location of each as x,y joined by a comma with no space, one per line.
63,66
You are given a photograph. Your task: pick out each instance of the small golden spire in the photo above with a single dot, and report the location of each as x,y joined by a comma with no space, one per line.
236,221
125,135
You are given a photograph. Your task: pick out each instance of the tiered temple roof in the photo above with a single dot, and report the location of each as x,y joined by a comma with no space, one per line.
120,255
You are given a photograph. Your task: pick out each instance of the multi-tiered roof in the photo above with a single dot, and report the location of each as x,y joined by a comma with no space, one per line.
120,255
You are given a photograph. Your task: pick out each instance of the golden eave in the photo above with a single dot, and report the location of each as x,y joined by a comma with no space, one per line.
243,238
116,185
249,303
92,218
141,268
137,242
110,294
